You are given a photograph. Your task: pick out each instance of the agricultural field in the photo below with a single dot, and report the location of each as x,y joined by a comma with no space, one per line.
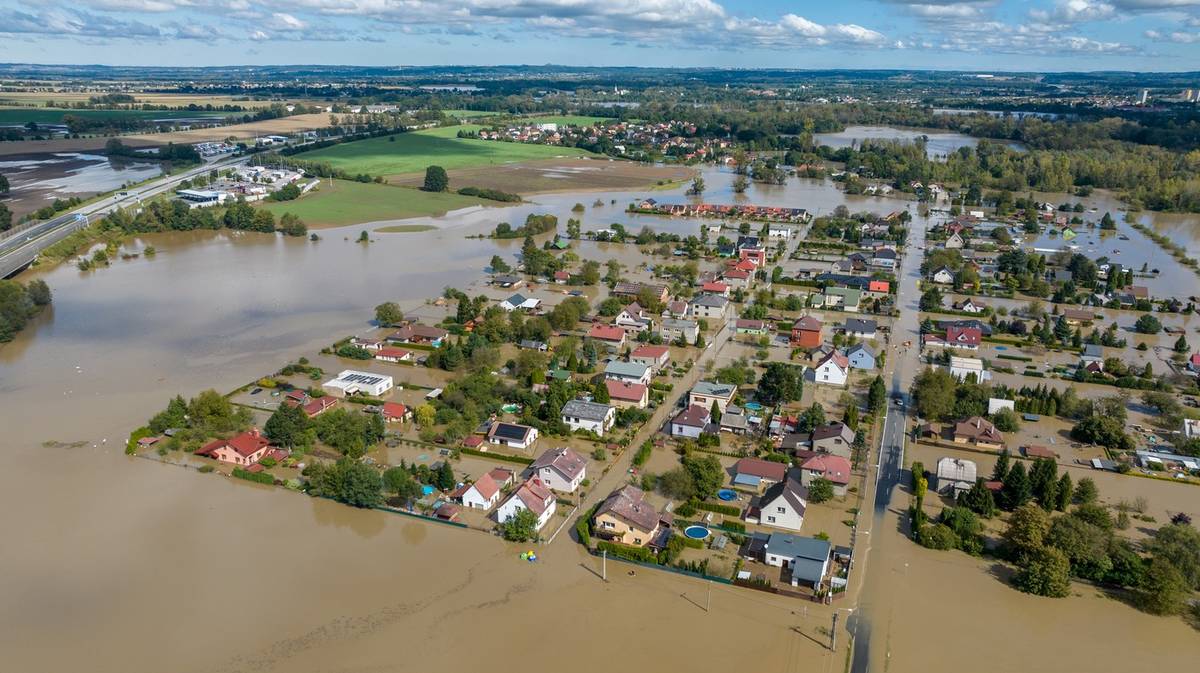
471,114
348,202
413,152
44,115
281,126
566,120
59,98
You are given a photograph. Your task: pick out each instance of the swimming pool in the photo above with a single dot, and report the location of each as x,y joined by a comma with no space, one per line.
696,532
427,490
727,494
753,406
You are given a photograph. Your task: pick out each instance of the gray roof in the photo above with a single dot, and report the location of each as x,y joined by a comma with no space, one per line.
797,546
715,301
564,461
860,325
588,411
808,571
629,503
516,299
675,323
624,369
789,489
860,347
712,389
1093,351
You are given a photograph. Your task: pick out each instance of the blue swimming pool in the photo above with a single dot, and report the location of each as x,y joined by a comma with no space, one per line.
727,494
426,490
753,406
696,532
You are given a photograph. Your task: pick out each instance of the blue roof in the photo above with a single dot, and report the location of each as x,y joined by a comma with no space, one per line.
796,546
747,480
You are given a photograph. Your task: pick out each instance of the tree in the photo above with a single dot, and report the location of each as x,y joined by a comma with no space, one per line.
288,426
1003,462
1043,482
444,479
1181,345
1084,544
677,484
1005,420
1064,491
931,300
1027,528
521,527
707,474
877,394
1164,590
425,414
715,412
1147,324
979,499
740,183
498,265
820,490
780,383
934,393
1106,431
388,313
697,187
349,481
1016,490
292,225
436,179
1045,573
5,218
1179,544
1086,492
400,481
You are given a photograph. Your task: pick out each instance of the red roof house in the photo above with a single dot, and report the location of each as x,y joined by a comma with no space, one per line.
246,448
806,332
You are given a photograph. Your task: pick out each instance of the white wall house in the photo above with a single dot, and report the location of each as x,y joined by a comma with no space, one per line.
533,496
560,469
353,382
832,370
593,416
783,505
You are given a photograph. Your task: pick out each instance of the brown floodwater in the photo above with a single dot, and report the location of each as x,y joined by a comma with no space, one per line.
35,180
123,564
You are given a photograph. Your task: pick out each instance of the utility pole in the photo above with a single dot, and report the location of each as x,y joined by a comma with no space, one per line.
708,598
833,633
604,565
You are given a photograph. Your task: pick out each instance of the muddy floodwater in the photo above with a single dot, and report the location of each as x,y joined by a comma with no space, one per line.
937,143
123,564
37,179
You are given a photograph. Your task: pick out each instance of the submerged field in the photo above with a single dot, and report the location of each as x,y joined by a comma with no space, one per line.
347,202
413,152
559,175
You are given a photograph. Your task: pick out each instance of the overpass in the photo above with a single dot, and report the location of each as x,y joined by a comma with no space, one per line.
20,248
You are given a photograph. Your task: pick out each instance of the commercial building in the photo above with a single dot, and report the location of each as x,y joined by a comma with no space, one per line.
352,382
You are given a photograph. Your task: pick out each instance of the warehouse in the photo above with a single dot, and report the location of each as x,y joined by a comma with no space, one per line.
351,382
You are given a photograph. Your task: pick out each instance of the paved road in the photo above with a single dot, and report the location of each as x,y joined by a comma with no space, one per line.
19,249
903,363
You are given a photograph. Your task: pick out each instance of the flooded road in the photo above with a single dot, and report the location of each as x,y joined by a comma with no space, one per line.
123,564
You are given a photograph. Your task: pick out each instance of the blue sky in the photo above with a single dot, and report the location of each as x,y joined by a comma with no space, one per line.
1159,35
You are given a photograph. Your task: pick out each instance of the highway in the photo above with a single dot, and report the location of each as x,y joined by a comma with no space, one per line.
904,363
20,248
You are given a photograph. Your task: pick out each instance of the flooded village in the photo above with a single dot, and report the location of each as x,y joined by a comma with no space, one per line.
778,417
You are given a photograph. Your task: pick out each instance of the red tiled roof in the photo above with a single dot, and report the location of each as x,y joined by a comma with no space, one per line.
714,286
472,441
878,286
963,335
393,410
246,444
652,352
1039,451
392,352
535,495
319,405
807,324
622,390
834,468
606,333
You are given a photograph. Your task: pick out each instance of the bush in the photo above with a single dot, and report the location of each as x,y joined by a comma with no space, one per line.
522,460
205,469
490,194
727,510
643,453
737,526
685,510
640,554
938,536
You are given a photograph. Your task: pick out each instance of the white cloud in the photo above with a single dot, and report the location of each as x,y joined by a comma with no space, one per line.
1178,37
1075,11
283,21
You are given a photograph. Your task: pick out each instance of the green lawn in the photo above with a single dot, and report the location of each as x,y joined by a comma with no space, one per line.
348,202
42,115
566,120
470,114
413,152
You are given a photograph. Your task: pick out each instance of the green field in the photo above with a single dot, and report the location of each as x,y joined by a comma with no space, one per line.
566,120
348,202
413,152
42,115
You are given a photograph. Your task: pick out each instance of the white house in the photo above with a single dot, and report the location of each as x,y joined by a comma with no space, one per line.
708,306
690,422
352,382
961,368
512,435
779,232
783,505
520,301
704,393
954,241
533,496
955,475
942,276
806,557
483,494
634,319
581,415
560,469
833,369
673,329
970,306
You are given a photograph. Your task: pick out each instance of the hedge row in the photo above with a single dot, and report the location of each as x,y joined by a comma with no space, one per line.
497,456
260,477
1021,358
727,510
640,554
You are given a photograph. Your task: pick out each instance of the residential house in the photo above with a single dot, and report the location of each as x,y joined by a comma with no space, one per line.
997,403
483,494
393,354
734,420
954,476
395,412
704,393
1092,358
414,333
634,320
834,438
513,435
708,306
613,337
560,469
1078,316
753,327
672,330
979,432
962,338
877,289
715,287
776,231
862,328
1194,363
521,302
845,298
353,382
833,369
561,277
246,448
954,241
691,422
533,496
507,280
593,416
737,278
757,474
633,290
860,356
630,372
836,469
625,394
807,558
675,309
533,345
367,343
942,276
654,357
884,258
625,517
783,505
806,332
970,306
